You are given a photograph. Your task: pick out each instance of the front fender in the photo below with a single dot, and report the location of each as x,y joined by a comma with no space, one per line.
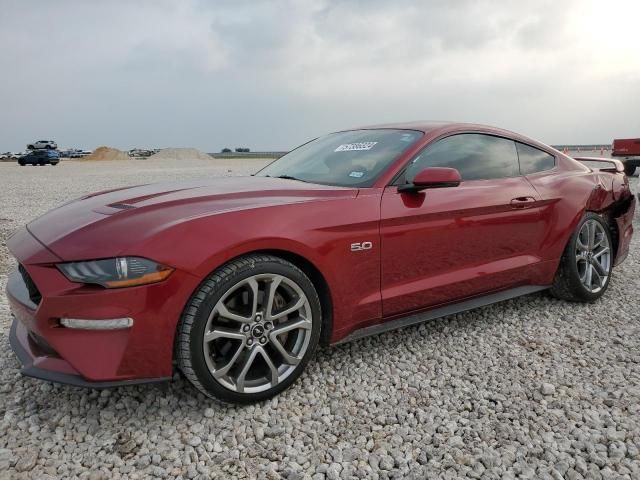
320,232
219,258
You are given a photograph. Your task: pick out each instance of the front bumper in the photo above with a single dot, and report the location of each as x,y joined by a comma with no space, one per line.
142,353
43,367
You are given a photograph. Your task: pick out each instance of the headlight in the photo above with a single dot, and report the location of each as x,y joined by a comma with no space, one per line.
116,272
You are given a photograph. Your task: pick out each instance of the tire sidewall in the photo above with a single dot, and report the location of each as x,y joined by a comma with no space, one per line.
629,170
572,266
201,316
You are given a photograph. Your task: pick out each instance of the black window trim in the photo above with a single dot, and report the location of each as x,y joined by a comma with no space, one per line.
398,176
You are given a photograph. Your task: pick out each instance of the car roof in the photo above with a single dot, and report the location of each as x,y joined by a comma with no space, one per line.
431,126
436,128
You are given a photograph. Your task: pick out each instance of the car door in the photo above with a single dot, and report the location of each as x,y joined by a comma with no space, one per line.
446,244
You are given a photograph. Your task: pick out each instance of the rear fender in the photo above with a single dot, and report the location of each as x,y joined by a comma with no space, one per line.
611,197
621,221
602,196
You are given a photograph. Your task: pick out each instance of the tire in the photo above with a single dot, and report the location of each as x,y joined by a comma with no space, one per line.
22,164
629,170
585,272
30,147
244,334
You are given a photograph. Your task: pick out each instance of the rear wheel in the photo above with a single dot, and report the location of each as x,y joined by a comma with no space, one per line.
587,262
629,170
249,330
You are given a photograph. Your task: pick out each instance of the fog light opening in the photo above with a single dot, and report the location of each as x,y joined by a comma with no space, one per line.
106,324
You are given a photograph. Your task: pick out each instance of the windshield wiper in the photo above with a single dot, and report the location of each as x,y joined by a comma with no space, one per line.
289,177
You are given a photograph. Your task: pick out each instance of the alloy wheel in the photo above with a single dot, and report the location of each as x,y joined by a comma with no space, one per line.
593,256
257,333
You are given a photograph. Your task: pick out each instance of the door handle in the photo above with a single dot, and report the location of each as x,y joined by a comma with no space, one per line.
523,202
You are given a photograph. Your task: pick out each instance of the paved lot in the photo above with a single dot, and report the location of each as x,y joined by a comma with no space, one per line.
530,388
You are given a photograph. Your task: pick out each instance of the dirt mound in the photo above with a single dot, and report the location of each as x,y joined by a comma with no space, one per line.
180,154
108,153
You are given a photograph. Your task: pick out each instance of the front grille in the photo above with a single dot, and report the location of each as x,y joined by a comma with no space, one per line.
34,293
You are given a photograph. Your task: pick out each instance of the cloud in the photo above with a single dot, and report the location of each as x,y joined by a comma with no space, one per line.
271,74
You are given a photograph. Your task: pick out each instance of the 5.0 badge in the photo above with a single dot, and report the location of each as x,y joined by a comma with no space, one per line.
359,246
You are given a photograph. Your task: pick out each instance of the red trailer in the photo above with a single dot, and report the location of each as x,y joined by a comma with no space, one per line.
629,151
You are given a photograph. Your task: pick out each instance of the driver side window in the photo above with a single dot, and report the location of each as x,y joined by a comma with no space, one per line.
475,156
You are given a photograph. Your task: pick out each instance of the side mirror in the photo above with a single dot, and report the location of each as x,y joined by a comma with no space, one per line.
433,177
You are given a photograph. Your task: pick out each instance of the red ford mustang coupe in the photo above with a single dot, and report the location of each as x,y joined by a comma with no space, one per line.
237,280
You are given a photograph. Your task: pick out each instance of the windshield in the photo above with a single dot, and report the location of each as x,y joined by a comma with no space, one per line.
355,158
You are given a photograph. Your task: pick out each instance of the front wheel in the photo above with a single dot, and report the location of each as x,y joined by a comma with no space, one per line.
585,268
249,330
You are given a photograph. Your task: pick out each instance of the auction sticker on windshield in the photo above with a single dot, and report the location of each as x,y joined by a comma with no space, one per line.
350,147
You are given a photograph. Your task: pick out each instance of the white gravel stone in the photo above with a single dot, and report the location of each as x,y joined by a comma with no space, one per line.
463,396
209,412
547,389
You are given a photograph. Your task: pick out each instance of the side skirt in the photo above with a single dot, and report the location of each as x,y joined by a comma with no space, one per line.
413,319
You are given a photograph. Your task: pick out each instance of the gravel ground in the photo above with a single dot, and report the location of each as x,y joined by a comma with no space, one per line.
530,388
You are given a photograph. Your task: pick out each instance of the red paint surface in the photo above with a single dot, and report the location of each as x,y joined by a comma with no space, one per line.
429,248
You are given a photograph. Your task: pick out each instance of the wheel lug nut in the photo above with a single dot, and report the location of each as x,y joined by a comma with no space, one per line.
245,328
263,340
249,342
268,325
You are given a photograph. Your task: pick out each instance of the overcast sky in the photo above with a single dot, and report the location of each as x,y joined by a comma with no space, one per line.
270,75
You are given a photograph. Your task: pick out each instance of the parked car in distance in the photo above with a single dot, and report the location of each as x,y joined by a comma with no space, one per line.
66,153
142,152
243,150
43,144
351,234
628,150
74,153
40,157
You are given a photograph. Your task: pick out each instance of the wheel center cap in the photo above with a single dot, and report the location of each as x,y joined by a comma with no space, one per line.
257,331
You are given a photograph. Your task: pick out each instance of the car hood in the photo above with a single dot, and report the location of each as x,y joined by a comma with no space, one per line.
107,223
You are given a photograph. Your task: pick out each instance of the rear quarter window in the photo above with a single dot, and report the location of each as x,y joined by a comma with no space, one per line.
533,160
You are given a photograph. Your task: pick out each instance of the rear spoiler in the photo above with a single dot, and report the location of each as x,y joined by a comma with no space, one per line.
602,164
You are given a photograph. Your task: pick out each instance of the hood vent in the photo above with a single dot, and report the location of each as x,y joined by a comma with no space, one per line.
122,206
